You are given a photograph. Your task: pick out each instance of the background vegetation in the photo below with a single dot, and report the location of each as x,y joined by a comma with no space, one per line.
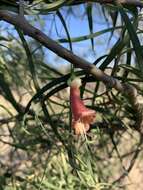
38,148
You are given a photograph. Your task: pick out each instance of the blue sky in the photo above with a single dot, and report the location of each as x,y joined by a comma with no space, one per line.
78,26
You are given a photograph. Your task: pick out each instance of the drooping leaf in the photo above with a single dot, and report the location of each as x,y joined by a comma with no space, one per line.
134,38
66,28
90,21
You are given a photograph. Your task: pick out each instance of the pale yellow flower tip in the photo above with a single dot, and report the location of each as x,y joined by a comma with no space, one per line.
79,128
76,82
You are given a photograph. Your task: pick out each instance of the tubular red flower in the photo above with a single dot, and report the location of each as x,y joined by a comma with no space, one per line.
82,116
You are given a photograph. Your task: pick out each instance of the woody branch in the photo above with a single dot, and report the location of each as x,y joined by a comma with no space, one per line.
130,91
136,3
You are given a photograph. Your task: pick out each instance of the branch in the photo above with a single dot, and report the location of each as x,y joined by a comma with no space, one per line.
38,35
137,3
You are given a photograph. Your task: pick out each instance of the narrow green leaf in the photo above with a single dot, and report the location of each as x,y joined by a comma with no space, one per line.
29,58
114,16
87,37
7,93
52,6
66,28
134,38
131,69
90,21
116,50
